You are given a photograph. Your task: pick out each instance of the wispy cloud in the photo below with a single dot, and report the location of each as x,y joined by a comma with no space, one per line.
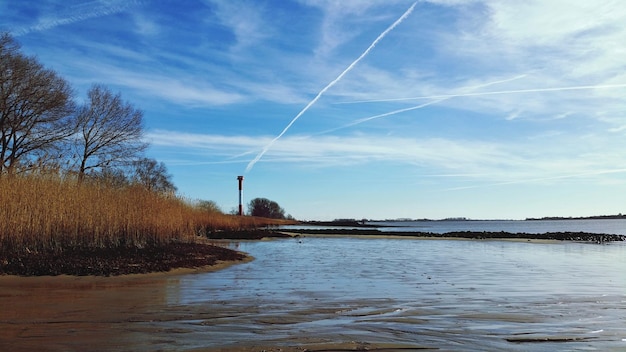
344,20
333,150
541,179
568,40
478,161
184,92
245,20
77,13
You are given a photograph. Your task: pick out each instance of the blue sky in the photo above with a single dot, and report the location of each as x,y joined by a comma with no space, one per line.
481,108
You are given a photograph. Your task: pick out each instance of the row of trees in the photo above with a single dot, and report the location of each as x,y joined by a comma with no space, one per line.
43,129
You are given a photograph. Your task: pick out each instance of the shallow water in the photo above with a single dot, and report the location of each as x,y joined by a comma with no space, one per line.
451,295
339,294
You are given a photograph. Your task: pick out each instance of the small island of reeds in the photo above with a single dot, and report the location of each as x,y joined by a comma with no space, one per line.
50,225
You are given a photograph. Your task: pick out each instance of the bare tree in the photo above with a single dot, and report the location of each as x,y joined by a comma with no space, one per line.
153,176
112,177
35,109
109,131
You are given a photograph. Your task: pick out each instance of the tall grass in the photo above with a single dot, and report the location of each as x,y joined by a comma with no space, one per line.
49,213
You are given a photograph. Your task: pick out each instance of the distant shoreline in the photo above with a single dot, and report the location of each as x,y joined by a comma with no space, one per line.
596,217
367,222
474,235
372,231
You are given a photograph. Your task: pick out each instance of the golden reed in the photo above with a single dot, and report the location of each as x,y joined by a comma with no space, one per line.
50,213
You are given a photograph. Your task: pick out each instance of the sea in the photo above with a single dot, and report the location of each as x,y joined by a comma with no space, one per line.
444,295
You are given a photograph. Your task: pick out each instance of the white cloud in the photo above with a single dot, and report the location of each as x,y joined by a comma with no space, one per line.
145,26
344,20
175,87
245,19
555,22
561,156
514,115
570,39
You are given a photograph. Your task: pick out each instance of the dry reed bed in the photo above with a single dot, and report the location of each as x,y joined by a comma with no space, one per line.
49,213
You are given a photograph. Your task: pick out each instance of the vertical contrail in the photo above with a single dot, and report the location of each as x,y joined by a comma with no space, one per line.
379,38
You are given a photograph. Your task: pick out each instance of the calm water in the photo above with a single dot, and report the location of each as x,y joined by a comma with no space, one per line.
608,226
445,294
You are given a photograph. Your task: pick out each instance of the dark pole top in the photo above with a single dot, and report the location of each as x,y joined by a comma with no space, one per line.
240,178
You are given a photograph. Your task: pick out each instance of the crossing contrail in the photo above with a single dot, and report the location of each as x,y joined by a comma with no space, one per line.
379,38
535,90
438,100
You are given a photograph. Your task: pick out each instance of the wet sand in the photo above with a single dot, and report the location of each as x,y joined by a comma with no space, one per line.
141,312
80,313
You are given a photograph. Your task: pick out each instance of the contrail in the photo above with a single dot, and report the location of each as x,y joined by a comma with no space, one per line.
438,100
536,90
365,119
591,173
379,38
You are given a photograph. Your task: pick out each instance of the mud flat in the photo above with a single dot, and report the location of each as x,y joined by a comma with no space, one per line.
75,310
142,312
474,235
115,261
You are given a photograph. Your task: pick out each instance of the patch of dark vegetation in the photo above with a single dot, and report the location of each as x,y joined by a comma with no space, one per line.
560,236
244,235
115,261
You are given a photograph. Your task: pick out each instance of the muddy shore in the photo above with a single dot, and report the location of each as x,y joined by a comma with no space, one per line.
124,261
115,261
